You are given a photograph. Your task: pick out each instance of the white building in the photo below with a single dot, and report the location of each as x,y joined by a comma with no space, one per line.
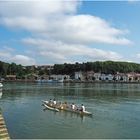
121,77
79,76
97,76
59,77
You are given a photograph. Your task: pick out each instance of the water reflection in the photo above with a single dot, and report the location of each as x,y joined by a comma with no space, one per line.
78,93
115,108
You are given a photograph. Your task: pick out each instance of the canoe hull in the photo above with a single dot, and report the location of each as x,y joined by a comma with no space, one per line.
51,108
78,112
1,85
46,103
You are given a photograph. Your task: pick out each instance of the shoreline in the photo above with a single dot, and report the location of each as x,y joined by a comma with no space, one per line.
94,82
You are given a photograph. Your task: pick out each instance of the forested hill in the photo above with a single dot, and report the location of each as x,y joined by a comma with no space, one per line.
99,66
109,67
13,69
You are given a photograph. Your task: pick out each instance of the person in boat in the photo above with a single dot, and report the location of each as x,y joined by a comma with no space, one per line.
50,101
61,105
54,101
65,105
73,106
82,108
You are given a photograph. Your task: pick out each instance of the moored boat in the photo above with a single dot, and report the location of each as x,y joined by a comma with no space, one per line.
1,85
50,81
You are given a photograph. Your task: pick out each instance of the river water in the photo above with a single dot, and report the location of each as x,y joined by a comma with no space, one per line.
115,108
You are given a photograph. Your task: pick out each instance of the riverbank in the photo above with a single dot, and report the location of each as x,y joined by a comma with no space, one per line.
76,81
3,130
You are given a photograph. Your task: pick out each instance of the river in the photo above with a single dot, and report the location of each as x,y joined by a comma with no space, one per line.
115,108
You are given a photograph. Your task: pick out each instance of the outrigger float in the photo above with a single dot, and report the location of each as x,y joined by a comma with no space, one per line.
51,108
64,107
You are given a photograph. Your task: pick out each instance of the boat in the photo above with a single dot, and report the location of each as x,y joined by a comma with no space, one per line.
1,85
66,108
0,94
50,81
55,81
78,112
51,108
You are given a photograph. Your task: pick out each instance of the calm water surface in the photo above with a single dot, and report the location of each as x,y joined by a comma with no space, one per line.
115,108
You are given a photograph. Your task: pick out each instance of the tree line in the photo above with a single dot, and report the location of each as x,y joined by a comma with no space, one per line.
107,67
12,69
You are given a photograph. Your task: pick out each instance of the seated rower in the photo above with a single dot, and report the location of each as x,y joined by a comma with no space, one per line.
54,101
82,108
73,106
61,106
50,102
65,105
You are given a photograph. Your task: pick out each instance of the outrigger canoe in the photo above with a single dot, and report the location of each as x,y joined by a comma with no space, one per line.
51,108
58,107
78,111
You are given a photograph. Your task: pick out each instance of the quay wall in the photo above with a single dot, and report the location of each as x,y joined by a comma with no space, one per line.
3,129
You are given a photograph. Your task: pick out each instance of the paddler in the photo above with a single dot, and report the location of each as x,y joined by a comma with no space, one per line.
50,102
61,106
82,108
54,101
73,106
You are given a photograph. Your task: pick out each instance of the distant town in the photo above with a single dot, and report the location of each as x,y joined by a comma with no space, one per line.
107,71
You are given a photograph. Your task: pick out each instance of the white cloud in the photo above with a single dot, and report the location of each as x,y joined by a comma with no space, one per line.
61,34
138,55
61,52
4,54
86,29
56,20
22,59
133,1
7,54
35,8
82,29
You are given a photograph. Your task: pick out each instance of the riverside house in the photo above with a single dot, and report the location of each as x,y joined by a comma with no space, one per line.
59,77
107,77
89,75
97,76
133,77
120,77
79,76
11,77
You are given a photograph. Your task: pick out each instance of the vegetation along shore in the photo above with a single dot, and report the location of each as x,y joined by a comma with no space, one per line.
99,71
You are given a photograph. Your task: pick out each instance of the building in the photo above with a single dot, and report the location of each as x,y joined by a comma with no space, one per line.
121,77
97,76
59,77
10,77
133,77
89,75
79,76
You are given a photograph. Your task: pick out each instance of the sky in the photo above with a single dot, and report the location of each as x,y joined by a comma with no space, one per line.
43,32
